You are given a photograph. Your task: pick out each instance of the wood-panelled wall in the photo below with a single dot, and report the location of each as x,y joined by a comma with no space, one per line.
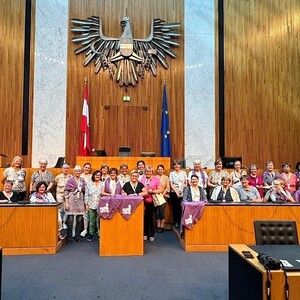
137,123
12,32
262,75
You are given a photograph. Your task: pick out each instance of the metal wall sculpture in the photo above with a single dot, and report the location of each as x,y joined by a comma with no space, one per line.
125,58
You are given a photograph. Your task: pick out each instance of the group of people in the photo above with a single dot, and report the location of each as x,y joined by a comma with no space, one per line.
221,186
80,192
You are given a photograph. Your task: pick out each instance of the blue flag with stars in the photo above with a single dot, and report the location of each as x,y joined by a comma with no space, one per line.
165,129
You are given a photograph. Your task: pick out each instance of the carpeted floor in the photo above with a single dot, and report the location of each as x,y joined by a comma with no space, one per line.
78,272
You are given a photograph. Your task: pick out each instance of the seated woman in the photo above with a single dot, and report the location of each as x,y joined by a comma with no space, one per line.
111,185
41,195
247,192
225,192
278,194
236,174
7,195
194,192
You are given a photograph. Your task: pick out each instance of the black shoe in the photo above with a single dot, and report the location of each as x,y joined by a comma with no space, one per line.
69,241
160,230
77,239
90,238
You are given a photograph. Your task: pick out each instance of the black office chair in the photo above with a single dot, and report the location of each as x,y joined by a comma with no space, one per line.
124,151
60,162
275,232
101,152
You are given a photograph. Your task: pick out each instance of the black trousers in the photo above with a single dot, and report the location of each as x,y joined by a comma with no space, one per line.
78,227
149,220
177,210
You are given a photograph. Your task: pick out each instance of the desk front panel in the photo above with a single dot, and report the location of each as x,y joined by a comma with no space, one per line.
29,229
221,225
120,237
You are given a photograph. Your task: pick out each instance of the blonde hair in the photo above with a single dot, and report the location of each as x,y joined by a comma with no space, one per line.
14,159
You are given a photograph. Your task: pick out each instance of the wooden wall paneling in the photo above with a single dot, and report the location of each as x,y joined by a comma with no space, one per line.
12,15
261,75
104,91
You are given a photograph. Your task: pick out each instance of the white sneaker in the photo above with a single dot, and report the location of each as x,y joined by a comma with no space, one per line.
64,226
83,233
151,239
145,238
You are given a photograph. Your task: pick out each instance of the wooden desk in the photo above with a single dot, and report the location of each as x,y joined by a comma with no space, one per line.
224,224
116,161
29,229
120,237
247,278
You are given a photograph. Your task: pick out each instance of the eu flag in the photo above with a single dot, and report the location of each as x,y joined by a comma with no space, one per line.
165,129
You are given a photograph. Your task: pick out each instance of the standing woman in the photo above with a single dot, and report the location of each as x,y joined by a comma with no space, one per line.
178,181
255,179
92,196
60,182
74,197
86,175
141,168
236,174
289,178
104,171
269,175
111,185
42,175
160,210
214,177
16,174
153,186
124,176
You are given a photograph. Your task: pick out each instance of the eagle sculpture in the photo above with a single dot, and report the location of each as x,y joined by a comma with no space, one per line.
125,58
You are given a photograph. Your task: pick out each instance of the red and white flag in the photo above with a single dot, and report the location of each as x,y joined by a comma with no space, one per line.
85,142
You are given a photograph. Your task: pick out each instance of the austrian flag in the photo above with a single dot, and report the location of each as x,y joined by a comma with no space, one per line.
85,142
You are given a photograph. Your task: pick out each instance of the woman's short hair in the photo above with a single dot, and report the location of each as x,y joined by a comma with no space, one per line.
39,184
43,161
226,177
286,164
123,166
87,164
9,182
66,165
195,176
269,162
219,160
113,169
253,166
244,177
149,168
134,172
96,172
77,168
160,166
140,161
104,166
196,161
297,166
176,162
